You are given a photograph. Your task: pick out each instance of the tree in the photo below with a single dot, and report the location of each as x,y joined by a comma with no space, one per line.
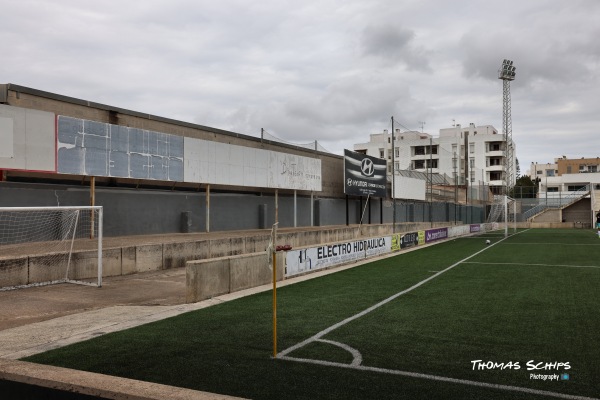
525,187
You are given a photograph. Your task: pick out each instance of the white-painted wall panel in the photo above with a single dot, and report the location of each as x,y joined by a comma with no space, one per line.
6,138
30,143
226,164
409,188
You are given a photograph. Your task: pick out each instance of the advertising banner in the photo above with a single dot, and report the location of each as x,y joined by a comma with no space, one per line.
409,240
405,240
475,228
315,258
364,175
460,230
432,235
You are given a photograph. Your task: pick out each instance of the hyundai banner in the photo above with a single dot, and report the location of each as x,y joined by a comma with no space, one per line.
364,175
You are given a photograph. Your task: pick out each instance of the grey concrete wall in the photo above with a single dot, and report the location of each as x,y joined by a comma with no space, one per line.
581,212
144,257
550,215
214,277
14,272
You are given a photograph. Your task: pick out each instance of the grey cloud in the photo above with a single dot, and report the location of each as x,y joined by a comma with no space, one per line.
392,43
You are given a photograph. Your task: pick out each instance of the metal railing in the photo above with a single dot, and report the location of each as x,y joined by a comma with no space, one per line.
557,202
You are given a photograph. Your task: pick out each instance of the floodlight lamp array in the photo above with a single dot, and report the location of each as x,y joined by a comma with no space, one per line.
507,72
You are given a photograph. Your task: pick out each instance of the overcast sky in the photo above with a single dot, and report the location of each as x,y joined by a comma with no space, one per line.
332,71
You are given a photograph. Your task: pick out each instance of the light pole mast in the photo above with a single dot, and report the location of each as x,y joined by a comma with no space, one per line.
507,74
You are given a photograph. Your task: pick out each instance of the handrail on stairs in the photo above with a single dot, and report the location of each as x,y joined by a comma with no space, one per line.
560,202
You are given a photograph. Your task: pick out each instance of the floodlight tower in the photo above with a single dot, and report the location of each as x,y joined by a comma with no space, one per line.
507,74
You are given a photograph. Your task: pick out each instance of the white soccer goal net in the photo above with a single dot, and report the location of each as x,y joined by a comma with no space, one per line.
503,211
48,245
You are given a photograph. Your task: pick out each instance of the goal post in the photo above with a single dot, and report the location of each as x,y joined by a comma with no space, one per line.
48,245
504,210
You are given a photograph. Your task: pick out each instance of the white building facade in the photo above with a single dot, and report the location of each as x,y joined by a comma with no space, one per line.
473,154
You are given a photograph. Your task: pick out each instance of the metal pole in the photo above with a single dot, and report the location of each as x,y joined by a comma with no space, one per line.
393,178
295,209
92,203
274,250
276,206
505,216
347,212
100,228
514,216
208,208
431,181
274,303
312,210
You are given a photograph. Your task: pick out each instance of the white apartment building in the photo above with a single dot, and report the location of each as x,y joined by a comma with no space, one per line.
473,154
540,171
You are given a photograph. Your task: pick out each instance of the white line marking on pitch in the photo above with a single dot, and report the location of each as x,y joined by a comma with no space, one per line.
356,356
536,265
439,378
376,306
357,364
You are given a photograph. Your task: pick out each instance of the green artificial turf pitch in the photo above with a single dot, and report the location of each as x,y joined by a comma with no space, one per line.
532,298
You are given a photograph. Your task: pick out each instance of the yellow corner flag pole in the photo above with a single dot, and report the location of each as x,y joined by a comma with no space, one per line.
274,303
274,254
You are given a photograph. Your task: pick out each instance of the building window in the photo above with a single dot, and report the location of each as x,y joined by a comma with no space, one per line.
592,168
549,172
553,189
419,164
568,169
381,153
472,148
574,188
419,150
432,163
540,172
472,163
494,146
397,152
494,162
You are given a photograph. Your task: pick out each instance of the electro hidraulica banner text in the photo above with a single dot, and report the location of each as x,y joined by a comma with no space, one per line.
364,175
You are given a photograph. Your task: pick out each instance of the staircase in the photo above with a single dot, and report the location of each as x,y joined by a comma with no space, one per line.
561,202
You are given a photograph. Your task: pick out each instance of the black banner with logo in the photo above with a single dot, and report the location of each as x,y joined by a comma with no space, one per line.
409,240
364,175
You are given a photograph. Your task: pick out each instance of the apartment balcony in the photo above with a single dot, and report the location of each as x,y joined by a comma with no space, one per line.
495,153
492,168
496,183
